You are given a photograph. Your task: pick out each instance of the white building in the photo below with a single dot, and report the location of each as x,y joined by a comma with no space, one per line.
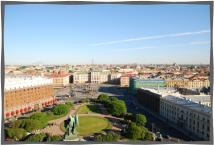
98,77
80,77
193,118
113,77
24,81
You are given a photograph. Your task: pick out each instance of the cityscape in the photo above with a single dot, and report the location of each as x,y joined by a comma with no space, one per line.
107,73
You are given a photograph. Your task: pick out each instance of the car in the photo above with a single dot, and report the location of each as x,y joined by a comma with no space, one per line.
168,137
159,136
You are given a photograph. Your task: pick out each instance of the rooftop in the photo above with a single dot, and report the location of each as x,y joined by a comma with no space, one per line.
24,81
189,104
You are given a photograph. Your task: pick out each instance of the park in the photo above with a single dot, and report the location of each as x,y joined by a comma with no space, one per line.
104,119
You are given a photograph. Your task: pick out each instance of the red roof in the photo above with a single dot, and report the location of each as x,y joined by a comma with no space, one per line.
60,73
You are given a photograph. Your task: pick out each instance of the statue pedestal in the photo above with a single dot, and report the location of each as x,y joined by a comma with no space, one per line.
72,137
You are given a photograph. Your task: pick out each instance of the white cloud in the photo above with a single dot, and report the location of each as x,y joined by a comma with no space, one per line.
131,49
151,37
199,42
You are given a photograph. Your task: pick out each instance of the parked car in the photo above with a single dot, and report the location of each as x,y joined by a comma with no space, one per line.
159,136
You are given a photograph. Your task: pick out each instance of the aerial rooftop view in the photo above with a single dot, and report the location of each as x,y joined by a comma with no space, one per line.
121,73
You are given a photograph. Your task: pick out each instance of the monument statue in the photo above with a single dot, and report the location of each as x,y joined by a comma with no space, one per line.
71,124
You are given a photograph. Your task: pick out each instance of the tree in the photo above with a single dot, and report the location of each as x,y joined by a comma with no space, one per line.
15,133
41,116
136,132
31,125
17,124
149,136
117,108
114,99
140,119
60,109
103,98
69,104
36,137
99,138
28,124
54,138
133,131
128,117
109,137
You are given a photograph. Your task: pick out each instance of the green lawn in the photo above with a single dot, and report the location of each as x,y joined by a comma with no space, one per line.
89,125
88,109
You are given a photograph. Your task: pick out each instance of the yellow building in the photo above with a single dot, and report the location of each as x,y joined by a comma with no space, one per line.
60,79
188,83
124,81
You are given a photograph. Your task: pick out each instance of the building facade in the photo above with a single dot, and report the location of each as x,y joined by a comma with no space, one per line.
81,77
149,99
98,77
114,78
124,81
190,84
24,94
191,117
136,83
60,79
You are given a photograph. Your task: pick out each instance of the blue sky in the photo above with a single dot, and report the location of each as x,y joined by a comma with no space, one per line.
107,33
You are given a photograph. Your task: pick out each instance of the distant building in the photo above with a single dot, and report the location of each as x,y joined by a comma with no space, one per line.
185,83
26,93
98,77
114,78
81,77
124,81
136,83
60,79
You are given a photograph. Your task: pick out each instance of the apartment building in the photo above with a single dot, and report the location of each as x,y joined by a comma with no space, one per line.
60,79
26,93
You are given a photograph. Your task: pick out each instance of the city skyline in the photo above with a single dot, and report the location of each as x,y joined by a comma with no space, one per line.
107,33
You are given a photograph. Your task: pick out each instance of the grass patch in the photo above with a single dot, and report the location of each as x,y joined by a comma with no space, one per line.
89,125
89,108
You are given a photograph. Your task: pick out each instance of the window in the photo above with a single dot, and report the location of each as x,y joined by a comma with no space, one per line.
208,136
